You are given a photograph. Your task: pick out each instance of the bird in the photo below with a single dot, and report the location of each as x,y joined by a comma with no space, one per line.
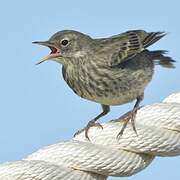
109,71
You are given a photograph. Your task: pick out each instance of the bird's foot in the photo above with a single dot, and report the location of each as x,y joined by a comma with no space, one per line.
90,124
129,116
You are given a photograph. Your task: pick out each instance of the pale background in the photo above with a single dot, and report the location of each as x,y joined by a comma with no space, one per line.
36,106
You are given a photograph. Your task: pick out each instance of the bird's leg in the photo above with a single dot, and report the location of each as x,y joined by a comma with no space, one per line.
93,122
130,116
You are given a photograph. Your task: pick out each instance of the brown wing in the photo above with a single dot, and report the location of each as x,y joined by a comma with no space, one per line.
125,45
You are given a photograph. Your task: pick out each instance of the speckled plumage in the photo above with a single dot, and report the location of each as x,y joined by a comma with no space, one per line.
110,85
109,71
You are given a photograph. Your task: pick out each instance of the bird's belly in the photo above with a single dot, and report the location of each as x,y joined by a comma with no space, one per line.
111,93
119,91
115,99
110,88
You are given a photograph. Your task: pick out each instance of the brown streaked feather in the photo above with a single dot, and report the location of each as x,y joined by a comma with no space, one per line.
121,47
152,37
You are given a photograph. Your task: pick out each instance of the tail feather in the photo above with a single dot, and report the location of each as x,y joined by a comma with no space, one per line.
160,59
152,37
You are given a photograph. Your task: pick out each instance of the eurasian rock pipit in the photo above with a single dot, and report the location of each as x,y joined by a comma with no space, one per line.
109,71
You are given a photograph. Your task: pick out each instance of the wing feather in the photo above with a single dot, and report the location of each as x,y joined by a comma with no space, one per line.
121,47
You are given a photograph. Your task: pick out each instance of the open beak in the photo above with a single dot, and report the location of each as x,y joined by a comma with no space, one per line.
55,52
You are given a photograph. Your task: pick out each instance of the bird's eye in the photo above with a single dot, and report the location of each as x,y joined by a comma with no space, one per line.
64,42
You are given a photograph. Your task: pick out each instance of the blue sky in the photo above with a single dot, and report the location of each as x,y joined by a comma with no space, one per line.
37,107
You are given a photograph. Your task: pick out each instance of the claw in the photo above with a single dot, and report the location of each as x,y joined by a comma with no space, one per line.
78,132
126,118
90,124
133,123
98,125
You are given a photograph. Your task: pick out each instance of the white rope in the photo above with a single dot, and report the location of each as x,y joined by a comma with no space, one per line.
158,127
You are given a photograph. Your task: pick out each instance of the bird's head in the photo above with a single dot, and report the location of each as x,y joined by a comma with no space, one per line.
65,45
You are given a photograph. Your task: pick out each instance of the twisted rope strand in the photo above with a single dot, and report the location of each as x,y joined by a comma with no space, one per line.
158,127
